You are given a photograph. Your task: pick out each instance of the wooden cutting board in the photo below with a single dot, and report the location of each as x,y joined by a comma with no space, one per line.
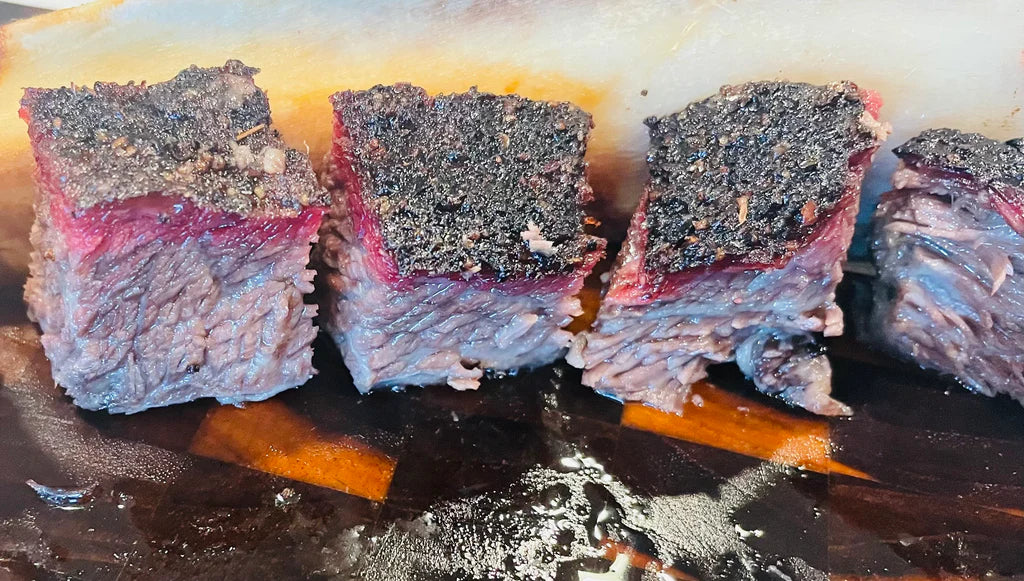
532,476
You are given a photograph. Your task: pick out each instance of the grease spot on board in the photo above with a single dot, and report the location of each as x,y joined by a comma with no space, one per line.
580,518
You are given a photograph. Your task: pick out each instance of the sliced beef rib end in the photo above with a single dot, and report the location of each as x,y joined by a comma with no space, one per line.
172,234
949,250
456,241
737,246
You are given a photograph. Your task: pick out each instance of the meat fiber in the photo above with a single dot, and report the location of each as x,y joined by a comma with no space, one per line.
172,234
737,246
949,252
455,243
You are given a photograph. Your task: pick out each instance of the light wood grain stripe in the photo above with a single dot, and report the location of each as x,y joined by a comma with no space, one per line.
728,422
269,437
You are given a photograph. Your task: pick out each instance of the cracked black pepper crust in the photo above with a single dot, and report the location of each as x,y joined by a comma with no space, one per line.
746,173
460,181
205,135
983,159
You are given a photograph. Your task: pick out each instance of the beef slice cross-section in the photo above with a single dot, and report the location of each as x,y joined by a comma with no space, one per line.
455,242
737,246
172,234
949,250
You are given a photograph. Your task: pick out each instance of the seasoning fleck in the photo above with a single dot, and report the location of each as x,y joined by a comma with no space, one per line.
809,212
249,132
274,161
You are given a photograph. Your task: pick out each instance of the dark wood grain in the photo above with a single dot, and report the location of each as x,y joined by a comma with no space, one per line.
924,481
